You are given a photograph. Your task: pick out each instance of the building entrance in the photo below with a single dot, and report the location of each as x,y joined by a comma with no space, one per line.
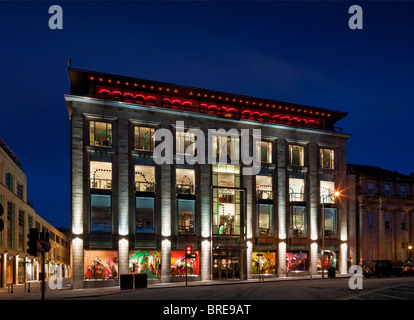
226,265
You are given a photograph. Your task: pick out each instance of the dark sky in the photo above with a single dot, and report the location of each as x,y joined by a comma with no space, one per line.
300,52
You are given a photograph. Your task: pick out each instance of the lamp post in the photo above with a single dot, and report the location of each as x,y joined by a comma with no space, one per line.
410,248
335,194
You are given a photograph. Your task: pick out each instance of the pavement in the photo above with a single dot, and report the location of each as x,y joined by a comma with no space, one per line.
22,292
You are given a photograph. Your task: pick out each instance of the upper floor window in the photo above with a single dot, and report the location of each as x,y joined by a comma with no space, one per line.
371,189
20,190
265,151
403,191
296,186
186,214
185,181
100,134
387,191
387,221
226,175
9,181
144,138
327,158
296,155
264,187
370,220
327,190
185,143
226,147
144,178
100,175
404,222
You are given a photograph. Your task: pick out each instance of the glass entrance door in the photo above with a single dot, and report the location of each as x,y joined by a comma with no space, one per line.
226,266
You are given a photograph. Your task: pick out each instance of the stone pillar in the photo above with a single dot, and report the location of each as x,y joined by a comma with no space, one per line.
281,210
205,199
247,183
122,178
314,207
166,223
77,204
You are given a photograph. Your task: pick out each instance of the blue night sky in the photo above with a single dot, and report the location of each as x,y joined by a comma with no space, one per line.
300,52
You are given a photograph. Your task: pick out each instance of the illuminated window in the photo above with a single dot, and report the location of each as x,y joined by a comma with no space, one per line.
100,175
226,147
144,178
298,221
296,155
264,149
226,175
185,181
327,158
296,186
264,187
265,220
144,138
185,143
330,222
100,134
327,189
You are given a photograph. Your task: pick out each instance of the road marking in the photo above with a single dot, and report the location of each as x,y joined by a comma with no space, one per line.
388,296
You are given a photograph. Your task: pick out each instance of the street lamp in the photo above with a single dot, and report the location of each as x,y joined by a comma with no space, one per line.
409,248
336,194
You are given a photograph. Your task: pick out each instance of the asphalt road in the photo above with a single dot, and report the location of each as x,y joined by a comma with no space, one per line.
393,288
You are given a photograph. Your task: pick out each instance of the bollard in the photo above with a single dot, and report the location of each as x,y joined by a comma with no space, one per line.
10,287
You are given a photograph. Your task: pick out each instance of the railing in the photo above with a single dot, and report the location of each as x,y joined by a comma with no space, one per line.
297,197
105,184
144,186
264,194
186,189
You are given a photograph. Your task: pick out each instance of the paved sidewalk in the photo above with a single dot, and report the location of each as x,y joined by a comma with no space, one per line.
20,291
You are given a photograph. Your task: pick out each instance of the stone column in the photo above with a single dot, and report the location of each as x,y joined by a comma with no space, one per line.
314,207
281,210
122,176
77,205
205,199
247,183
166,222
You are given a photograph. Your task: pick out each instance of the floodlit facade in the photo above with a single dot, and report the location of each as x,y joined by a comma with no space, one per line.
16,266
130,214
384,213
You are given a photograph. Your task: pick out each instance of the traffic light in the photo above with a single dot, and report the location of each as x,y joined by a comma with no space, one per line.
188,251
1,220
33,237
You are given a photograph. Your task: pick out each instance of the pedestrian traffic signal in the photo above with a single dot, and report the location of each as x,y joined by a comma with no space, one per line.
188,251
33,237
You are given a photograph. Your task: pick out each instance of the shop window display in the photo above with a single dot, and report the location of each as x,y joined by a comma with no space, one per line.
178,265
100,264
296,261
145,262
329,260
266,262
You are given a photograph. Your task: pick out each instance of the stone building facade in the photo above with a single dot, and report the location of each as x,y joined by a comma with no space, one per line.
16,266
385,213
132,215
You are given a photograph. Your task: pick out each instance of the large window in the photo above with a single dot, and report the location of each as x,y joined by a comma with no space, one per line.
296,155
100,175
185,143
330,222
144,138
20,190
101,216
101,134
266,220
10,225
186,214
185,181
371,189
9,181
226,147
265,151
144,215
370,220
296,186
22,234
327,189
327,158
298,221
101,264
144,178
264,187
226,175
387,218
403,191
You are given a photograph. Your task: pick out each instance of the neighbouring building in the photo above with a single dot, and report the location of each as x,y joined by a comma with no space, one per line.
384,213
16,266
132,215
